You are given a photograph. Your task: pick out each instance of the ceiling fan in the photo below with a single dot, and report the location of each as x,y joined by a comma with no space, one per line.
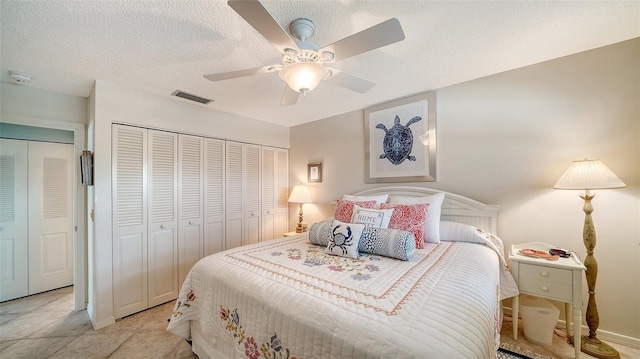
303,62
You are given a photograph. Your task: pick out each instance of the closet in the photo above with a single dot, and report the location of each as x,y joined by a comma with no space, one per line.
178,198
145,223
36,217
190,187
275,192
214,196
243,180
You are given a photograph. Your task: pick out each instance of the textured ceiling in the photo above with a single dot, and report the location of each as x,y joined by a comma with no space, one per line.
161,46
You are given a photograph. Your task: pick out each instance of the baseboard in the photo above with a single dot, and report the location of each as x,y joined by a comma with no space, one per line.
101,324
606,336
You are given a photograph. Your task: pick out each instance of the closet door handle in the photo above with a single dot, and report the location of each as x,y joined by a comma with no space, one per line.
163,225
191,222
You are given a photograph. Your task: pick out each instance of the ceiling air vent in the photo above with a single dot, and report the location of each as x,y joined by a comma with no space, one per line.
191,97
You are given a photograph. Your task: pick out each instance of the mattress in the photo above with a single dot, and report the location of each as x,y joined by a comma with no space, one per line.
285,298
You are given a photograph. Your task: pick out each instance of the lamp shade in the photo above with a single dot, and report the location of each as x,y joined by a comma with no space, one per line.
303,76
300,194
588,174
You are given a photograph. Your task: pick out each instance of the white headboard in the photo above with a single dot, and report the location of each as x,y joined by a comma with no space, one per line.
456,208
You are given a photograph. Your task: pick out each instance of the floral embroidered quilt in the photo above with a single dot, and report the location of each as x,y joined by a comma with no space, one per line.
286,298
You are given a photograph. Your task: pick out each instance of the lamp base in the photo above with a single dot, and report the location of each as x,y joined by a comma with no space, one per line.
597,348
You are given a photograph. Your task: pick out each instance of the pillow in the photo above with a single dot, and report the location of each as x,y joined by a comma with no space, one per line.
344,209
378,218
432,224
409,217
392,243
382,198
320,232
344,239
461,232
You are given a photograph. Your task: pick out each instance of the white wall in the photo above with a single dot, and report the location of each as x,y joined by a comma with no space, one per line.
24,100
506,139
117,104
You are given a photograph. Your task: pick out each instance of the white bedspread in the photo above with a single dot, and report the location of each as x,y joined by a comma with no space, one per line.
286,299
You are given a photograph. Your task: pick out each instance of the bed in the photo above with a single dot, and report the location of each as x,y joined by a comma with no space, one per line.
286,298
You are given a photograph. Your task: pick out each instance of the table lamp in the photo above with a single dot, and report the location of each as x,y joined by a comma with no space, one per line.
300,194
587,175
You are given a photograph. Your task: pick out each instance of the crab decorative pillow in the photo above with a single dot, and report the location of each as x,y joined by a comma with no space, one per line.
409,217
344,209
345,238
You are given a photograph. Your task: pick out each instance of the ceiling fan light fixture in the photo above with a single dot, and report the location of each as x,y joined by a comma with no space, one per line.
303,76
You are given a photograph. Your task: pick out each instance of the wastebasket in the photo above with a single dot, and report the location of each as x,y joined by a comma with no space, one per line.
539,318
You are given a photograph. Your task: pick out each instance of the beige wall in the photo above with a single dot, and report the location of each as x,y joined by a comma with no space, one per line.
506,139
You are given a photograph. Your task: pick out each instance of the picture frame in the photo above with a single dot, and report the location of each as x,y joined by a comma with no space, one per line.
400,140
314,172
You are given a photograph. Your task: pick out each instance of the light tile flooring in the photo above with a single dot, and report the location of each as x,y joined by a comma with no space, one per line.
559,348
45,326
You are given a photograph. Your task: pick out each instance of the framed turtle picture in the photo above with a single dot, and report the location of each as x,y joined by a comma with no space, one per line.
400,140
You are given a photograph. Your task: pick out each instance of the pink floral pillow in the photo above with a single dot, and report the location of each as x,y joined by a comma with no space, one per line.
344,210
409,217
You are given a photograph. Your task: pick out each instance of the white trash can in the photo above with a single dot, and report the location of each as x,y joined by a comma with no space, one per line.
539,319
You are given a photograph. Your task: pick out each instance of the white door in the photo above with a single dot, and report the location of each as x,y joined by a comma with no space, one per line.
129,152
252,193
190,231
162,266
214,201
268,193
50,216
234,218
282,192
14,266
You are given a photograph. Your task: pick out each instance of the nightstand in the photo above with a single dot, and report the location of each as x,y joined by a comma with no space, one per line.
559,280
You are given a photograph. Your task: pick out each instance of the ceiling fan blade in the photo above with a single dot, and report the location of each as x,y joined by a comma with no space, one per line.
383,34
242,73
289,97
257,16
349,81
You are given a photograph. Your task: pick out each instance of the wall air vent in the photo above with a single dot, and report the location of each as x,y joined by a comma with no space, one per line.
191,97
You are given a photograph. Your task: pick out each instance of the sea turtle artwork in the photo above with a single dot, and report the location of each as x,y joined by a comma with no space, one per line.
398,141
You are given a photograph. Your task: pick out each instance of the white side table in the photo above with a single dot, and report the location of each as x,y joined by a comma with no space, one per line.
559,280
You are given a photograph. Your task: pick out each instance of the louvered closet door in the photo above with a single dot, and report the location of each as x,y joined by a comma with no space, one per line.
14,266
234,228
252,194
268,193
50,216
129,220
282,191
214,201
190,186
162,244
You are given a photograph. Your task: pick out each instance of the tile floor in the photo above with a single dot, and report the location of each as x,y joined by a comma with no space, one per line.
45,326
559,349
